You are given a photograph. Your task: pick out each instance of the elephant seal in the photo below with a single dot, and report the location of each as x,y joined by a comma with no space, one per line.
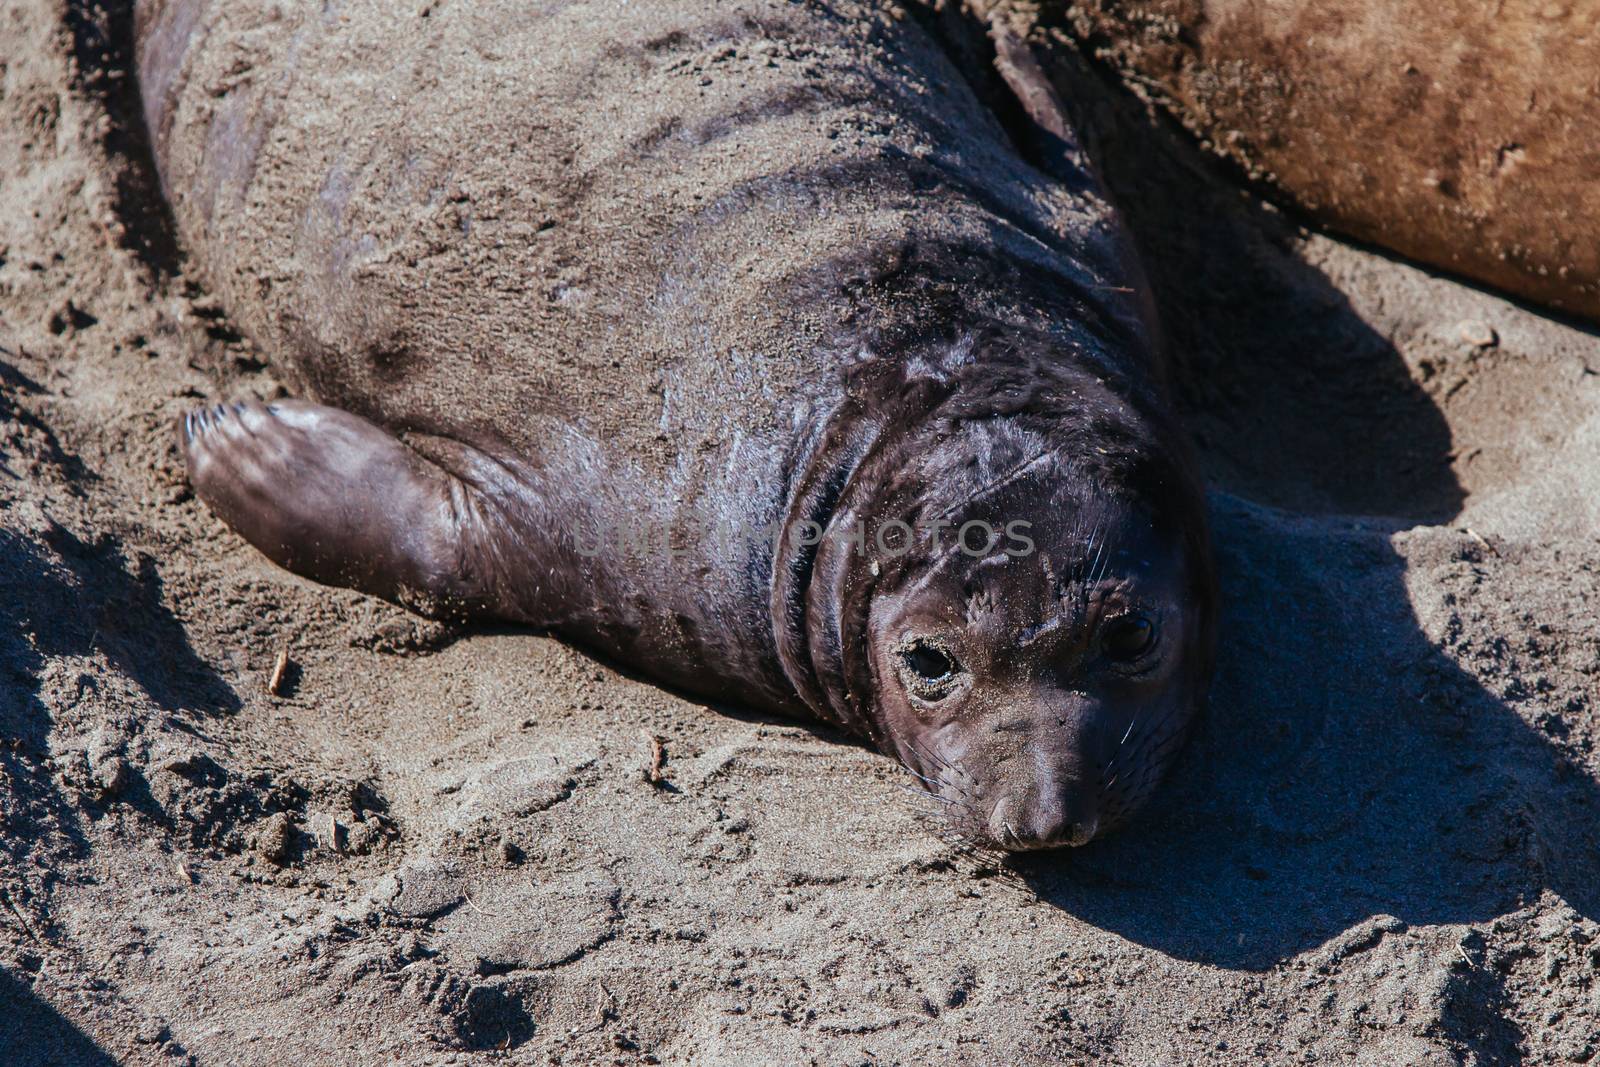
1463,136
743,346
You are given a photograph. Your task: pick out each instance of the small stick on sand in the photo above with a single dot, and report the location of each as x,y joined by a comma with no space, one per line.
606,1009
658,758
332,833
1482,540
1479,334
280,666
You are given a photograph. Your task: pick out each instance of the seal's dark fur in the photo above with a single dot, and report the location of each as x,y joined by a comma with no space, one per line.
673,266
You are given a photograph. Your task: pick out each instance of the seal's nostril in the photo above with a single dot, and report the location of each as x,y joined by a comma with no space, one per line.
1054,820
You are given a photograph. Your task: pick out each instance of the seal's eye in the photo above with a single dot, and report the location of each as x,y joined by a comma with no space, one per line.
930,667
1127,638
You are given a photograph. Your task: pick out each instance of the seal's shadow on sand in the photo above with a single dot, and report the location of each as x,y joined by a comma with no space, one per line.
1347,767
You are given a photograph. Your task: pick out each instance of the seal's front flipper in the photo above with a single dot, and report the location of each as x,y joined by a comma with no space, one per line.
335,498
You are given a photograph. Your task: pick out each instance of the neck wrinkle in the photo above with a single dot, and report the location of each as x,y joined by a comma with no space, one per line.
880,408
824,479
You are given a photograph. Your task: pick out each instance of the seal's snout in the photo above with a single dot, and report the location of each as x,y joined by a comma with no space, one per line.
1047,820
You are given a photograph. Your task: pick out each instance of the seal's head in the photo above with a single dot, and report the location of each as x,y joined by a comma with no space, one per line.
1040,683
1014,591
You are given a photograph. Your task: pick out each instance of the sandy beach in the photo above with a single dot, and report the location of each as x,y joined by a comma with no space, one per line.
433,845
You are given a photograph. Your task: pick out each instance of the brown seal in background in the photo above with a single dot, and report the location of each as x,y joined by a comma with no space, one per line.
1465,136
